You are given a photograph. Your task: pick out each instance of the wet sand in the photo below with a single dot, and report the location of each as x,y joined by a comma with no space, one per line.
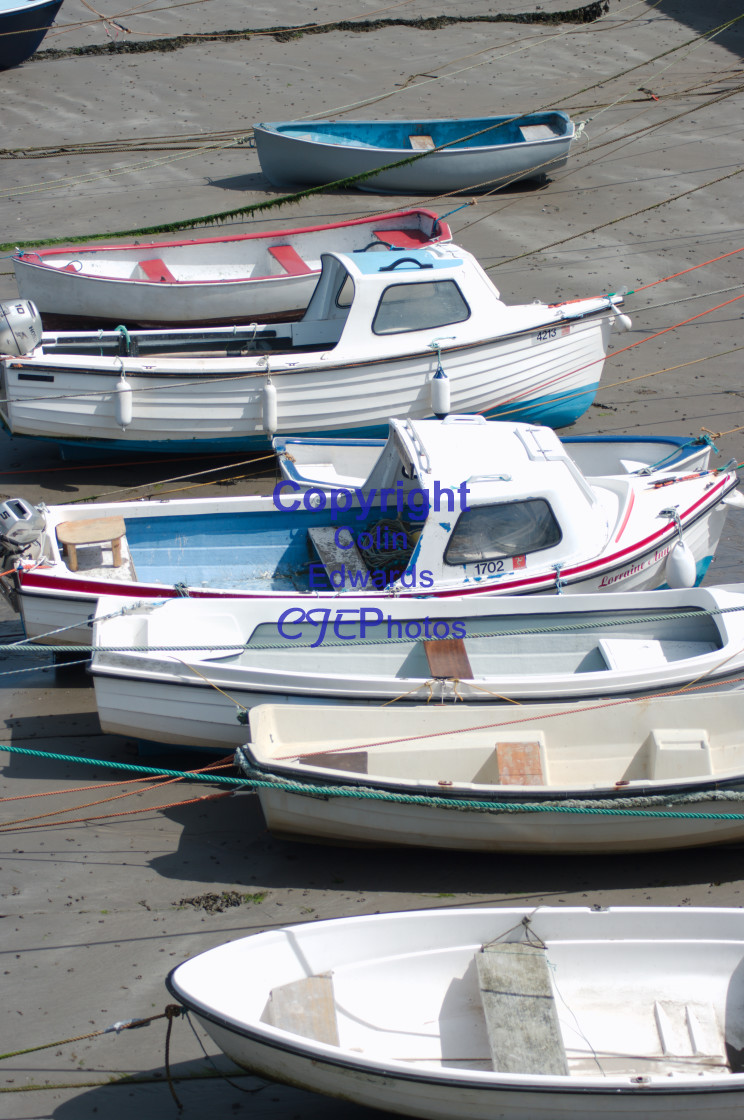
96,912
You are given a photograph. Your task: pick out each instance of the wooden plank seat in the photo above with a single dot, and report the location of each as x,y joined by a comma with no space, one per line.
520,764
305,1007
519,1007
448,659
158,271
290,260
338,561
421,143
94,530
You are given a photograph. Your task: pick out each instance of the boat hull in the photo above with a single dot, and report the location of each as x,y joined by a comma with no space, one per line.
22,30
182,409
292,155
384,824
53,598
212,280
405,994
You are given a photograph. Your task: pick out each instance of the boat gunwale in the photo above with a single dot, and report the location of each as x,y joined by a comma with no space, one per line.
190,242
335,363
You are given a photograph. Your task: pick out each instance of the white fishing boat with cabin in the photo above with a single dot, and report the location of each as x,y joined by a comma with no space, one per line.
531,522
413,333
477,1013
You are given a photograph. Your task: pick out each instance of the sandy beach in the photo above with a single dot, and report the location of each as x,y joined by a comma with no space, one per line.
99,905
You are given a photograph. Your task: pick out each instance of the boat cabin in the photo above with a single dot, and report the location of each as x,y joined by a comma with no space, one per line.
377,302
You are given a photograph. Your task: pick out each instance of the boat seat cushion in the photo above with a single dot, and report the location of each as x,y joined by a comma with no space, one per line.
290,260
157,271
519,1007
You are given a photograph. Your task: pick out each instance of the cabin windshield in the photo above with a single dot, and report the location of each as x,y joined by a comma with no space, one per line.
419,306
507,529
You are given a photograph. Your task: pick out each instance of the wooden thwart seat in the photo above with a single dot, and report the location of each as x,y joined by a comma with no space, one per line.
304,1007
521,1017
448,659
402,238
421,143
520,764
290,260
158,271
94,530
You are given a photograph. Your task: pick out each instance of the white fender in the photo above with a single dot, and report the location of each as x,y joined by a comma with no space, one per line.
123,403
440,393
270,407
680,568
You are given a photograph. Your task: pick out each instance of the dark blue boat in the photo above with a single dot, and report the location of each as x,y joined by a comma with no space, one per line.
23,24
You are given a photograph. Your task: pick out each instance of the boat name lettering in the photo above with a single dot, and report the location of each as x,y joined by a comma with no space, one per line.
660,553
364,622
339,501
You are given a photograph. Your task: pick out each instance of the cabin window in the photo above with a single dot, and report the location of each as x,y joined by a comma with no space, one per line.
419,307
507,529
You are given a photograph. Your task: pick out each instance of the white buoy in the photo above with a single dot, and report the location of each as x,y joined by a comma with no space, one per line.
624,322
680,569
270,407
440,393
123,403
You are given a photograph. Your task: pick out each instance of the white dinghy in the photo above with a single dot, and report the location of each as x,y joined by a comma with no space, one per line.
228,279
459,506
473,1014
394,333
659,773
152,683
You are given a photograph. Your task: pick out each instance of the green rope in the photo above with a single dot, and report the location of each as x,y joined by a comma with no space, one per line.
364,793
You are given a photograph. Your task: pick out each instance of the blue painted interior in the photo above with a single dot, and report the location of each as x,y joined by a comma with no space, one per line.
268,551
489,131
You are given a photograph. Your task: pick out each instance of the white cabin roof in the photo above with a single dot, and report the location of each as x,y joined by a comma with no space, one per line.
490,457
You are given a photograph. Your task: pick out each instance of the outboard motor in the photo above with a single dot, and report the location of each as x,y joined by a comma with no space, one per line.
20,327
20,524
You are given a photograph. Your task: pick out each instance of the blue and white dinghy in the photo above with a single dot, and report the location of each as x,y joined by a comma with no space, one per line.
386,333
478,154
433,1013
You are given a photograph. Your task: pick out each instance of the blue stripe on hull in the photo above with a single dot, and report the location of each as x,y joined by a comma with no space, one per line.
556,410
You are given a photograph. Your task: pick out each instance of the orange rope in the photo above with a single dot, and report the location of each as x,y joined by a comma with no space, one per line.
112,816
105,785
686,270
103,801
614,354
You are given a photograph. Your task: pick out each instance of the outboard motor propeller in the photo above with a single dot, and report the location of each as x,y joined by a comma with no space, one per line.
20,327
